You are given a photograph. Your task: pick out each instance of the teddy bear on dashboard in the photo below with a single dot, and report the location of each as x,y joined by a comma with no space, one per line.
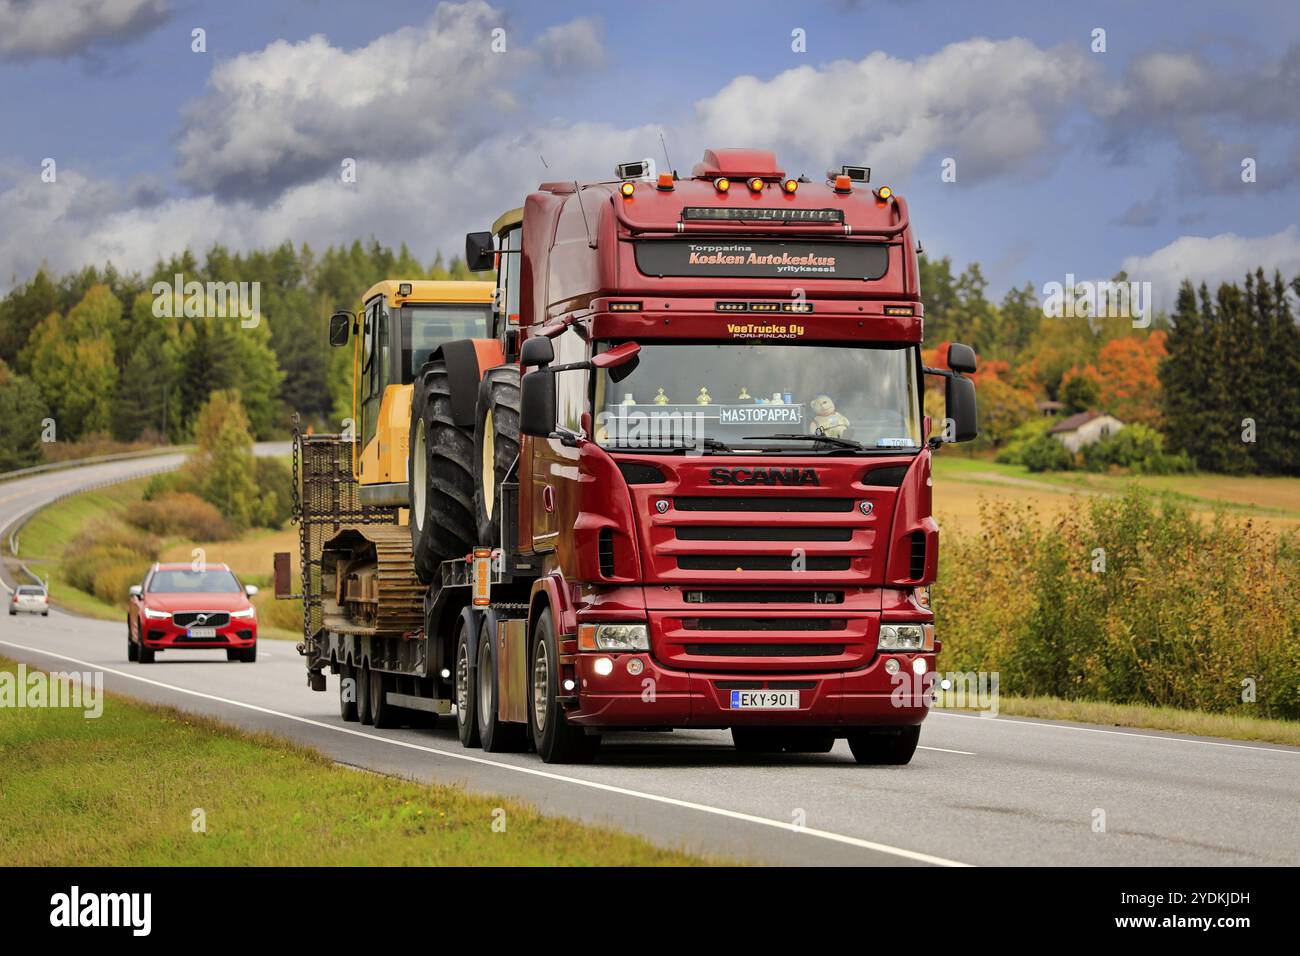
826,420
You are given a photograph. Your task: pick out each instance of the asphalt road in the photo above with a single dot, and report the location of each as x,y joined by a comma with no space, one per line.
980,791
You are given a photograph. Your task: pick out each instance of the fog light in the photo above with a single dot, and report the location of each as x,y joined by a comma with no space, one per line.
635,666
445,673
603,666
891,665
568,685
918,666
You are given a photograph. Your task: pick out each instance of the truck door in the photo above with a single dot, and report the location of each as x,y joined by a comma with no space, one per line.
555,466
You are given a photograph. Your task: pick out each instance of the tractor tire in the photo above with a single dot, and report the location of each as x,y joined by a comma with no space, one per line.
496,447
440,475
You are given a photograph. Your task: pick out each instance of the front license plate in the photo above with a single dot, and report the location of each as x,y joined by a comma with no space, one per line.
764,700
203,632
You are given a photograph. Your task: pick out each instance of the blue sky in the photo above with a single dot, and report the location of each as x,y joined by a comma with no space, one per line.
1068,160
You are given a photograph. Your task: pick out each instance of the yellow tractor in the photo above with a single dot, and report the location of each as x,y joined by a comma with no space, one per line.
355,486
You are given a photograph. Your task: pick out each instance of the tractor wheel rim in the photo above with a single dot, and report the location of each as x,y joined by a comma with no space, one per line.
419,464
462,686
541,686
489,467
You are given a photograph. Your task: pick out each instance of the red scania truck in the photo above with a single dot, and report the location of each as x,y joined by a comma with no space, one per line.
685,484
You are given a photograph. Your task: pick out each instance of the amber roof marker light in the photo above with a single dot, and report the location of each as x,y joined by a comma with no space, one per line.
884,193
791,186
843,185
665,184
722,184
627,189
756,184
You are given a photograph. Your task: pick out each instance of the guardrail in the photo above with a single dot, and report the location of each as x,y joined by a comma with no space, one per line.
96,460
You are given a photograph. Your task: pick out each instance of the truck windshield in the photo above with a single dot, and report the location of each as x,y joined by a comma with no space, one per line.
744,396
425,327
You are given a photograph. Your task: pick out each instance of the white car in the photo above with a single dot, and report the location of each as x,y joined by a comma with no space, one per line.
31,598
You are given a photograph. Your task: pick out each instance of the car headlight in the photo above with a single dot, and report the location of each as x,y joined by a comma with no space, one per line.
906,637
246,612
156,615
613,637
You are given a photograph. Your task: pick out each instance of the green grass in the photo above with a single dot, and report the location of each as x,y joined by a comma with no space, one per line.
122,789
1148,717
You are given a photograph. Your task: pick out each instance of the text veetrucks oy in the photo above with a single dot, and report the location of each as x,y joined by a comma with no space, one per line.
603,509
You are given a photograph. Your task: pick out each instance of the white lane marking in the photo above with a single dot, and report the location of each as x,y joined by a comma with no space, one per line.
945,750
531,771
1118,733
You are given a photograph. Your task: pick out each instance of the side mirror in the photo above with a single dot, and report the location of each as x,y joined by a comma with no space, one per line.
959,396
621,360
340,328
961,358
537,351
250,589
136,590
537,403
479,254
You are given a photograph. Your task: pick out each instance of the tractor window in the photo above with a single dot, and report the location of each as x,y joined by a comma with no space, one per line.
425,327
509,281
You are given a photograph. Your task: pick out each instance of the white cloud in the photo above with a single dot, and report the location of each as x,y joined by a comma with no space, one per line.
1226,257
992,105
35,28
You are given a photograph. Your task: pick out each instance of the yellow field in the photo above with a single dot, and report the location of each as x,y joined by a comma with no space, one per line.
962,483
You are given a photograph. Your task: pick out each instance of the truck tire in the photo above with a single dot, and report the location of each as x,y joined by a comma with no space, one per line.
496,735
465,690
884,745
363,694
556,740
440,475
348,693
382,713
496,447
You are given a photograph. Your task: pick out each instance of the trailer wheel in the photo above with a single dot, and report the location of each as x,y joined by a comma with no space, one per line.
496,447
466,692
363,694
440,475
884,745
497,736
382,713
557,740
347,692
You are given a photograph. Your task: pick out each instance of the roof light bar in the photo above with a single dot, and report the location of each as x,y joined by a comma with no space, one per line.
761,214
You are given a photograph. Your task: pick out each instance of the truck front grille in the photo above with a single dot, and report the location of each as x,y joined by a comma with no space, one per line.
719,596
759,562
764,624
752,533
764,504
764,650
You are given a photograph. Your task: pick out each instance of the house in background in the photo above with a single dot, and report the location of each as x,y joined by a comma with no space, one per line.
1048,408
1085,428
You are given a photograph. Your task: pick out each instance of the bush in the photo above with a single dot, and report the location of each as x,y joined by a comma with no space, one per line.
106,559
275,481
167,483
1129,600
1045,453
180,513
1012,453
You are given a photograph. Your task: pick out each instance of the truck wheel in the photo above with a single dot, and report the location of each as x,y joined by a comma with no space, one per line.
347,692
382,713
557,740
130,644
440,475
496,447
363,694
758,740
466,692
884,745
497,736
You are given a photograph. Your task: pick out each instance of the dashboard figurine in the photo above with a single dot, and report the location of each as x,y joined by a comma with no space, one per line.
661,398
826,420
744,395
703,398
628,399
777,399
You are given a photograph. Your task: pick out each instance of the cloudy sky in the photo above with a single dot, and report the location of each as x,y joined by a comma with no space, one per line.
1067,160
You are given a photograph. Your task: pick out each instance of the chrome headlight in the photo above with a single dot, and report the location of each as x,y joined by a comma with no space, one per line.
246,612
906,637
613,637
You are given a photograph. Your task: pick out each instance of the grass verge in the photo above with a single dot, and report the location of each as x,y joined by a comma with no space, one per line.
1144,717
123,790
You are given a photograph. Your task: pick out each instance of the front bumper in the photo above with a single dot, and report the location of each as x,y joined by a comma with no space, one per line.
662,697
158,635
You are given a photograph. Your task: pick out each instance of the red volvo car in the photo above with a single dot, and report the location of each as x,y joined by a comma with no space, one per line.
177,607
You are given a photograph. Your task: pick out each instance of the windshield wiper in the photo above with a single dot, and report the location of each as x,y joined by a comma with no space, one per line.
828,439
